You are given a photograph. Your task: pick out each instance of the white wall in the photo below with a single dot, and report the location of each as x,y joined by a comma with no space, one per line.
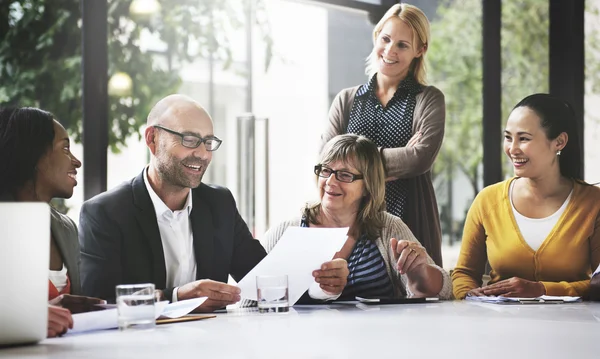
293,95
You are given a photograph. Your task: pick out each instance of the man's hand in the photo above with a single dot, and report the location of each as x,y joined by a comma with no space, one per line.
515,287
77,303
59,321
333,276
219,294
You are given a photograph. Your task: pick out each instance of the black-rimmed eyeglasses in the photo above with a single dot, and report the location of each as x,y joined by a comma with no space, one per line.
342,176
212,143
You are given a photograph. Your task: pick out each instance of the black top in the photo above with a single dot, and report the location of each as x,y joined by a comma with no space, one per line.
388,127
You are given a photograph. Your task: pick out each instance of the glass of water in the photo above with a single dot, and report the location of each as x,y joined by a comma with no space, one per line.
135,306
272,293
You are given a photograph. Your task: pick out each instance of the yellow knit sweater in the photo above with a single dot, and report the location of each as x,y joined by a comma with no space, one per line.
564,261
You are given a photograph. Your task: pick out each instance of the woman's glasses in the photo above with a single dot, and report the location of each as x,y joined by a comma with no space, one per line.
342,176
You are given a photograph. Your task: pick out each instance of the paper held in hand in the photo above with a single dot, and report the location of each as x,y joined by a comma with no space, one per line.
298,253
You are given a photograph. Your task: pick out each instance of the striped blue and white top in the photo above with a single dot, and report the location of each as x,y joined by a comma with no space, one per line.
368,275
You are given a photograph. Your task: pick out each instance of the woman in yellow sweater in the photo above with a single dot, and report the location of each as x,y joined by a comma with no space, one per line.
538,230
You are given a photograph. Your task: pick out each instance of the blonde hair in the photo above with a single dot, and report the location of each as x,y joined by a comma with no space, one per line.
362,154
418,22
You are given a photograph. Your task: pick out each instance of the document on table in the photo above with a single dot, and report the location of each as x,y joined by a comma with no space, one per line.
298,253
518,300
108,318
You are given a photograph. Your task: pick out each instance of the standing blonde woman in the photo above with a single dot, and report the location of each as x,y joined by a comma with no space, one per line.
403,116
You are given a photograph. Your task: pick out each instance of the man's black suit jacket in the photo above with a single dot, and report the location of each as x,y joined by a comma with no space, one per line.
120,240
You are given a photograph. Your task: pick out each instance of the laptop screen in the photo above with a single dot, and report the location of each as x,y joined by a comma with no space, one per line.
24,263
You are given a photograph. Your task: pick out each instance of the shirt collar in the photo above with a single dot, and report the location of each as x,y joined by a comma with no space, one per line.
159,206
409,84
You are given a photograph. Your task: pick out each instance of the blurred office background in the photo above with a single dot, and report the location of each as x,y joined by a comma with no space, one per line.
267,71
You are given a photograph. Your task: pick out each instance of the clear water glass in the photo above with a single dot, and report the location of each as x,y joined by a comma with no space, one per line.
272,294
135,306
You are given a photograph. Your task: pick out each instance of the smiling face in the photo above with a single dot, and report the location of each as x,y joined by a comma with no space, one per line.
526,143
340,197
396,47
57,170
181,166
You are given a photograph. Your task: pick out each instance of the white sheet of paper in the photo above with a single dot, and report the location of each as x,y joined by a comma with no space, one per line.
179,309
503,300
100,320
300,250
108,318
597,271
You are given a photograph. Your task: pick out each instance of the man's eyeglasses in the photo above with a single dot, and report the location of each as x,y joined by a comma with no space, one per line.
342,176
212,143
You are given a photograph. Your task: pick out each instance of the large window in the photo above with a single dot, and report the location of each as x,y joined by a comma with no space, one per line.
525,56
592,91
455,66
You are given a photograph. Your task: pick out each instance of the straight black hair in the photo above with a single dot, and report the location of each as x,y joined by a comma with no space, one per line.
26,135
557,116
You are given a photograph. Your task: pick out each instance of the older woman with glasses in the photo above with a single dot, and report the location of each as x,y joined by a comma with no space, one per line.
384,258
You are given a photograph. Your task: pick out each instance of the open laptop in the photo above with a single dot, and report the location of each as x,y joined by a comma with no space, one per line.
24,263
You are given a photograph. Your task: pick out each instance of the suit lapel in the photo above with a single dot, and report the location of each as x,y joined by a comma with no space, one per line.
203,231
146,218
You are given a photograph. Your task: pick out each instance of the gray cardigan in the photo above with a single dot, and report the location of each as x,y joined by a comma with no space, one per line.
413,163
64,232
393,228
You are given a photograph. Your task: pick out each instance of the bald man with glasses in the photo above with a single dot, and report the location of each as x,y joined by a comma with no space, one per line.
165,226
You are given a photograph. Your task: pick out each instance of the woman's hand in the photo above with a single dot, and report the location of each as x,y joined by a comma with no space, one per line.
77,303
408,255
476,292
423,279
515,287
59,321
333,276
414,140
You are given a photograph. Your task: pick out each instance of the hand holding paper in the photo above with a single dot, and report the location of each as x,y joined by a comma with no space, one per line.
299,251
333,276
219,294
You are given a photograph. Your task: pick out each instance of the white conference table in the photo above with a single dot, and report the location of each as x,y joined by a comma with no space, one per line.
455,329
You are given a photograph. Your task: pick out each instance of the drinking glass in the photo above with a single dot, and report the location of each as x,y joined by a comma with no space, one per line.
272,293
135,306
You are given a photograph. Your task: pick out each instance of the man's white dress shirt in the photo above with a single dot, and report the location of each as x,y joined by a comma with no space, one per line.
177,240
